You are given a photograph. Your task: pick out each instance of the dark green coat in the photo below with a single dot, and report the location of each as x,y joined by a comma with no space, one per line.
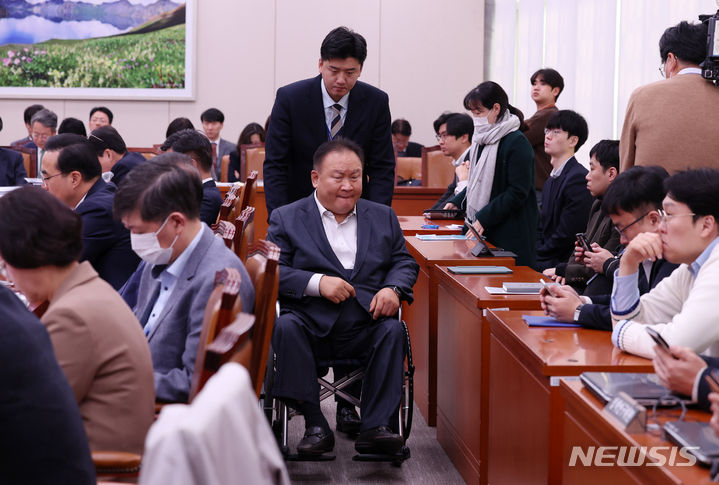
511,216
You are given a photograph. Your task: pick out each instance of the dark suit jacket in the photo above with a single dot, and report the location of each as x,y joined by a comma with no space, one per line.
297,127
704,389
565,211
235,166
382,258
12,169
449,193
29,144
413,150
124,165
597,315
22,141
105,241
211,202
43,439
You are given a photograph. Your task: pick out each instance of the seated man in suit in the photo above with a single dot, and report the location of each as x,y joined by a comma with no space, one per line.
632,202
12,168
565,199
27,117
159,203
684,372
682,307
343,268
71,172
43,125
197,146
100,116
401,130
42,439
454,134
112,153
96,338
212,122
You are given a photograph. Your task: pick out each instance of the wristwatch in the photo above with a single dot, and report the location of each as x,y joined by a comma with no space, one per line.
397,291
577,312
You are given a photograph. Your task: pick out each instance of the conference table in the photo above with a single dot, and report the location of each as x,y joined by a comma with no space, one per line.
525,406
413,225
585,426
421,316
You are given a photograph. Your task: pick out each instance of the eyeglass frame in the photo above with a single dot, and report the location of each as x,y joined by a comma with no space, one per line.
664,217
45,179
621,231
554,131
662,71
442,136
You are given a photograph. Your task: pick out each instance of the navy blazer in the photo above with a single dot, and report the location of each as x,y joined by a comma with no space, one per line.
566,203
105,241
12,168
413,150
211,202
382,258
123,166
43,439
298,126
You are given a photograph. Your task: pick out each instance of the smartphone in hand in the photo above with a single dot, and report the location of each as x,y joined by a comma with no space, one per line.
659,340
582,239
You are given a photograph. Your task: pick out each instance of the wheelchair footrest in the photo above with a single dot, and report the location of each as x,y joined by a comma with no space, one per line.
396,459
298,457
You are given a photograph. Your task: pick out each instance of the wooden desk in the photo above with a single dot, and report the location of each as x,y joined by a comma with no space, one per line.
412,225
525,405
463,361
421,316
584,425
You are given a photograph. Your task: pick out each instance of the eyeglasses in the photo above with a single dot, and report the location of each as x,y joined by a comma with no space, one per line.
442,136
45,178
661,70
664,217
40,136
622,231
553,132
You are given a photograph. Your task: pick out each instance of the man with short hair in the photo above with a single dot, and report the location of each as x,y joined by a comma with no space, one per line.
112,153
27,117
344,267
12,167
547,85
159,203
682,309
197,146
454,134
682,107
71,172
401,131
212,122
565,198
42,126
100,116
308,113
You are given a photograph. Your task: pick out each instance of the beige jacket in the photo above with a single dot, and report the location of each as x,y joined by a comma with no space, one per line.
104,354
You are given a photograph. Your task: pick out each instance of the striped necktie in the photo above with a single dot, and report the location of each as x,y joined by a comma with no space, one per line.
336,124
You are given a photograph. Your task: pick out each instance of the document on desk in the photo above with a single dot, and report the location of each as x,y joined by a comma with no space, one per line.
439,237
498,290
479,270
544,321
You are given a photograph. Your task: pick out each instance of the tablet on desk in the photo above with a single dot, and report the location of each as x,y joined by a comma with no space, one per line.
643,388
444,214
479,269
697,437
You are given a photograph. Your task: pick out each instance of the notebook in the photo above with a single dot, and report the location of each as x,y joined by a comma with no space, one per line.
693,434
643,388
479,270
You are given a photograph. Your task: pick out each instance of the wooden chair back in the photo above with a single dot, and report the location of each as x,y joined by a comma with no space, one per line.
247,196
222,307
252,157
29,159
224,167
225,230
263,265
147,152
408,168
437,169
244,232
228,204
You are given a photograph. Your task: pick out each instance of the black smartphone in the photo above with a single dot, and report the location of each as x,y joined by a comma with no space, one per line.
582,238
658,339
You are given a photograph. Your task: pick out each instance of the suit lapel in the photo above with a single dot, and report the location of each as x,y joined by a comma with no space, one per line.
364,233
316,110
352,120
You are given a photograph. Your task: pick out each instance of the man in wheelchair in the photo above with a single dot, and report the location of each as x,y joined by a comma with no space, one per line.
344,267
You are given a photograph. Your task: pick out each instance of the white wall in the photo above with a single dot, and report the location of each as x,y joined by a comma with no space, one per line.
427,55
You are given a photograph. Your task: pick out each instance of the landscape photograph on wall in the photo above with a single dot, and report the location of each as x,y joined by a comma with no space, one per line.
96,47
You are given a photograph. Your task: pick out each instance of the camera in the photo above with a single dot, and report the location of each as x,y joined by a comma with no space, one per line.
710,65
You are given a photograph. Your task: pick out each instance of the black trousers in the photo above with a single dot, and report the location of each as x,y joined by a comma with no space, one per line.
380,345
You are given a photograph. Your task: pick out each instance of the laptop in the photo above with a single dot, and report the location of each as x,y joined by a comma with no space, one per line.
643,388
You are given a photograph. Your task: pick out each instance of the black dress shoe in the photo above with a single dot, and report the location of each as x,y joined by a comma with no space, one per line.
381,440
316,441
348,421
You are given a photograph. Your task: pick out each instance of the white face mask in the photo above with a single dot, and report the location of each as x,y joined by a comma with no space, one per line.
480,121
147,246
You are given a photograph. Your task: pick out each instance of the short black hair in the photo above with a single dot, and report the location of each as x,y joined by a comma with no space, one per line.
79,157
342,43
211,115
337,145
639,187
401,126
178,124
551,77
102,109
247,132
441,119
460,124
488,94
688,42
38,230
607,153
699,189
106,137
192,143
45,117
30,112
58,142
72,125
169,183
571,122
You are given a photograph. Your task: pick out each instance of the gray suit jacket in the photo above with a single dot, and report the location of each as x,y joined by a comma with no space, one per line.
223,148
176,333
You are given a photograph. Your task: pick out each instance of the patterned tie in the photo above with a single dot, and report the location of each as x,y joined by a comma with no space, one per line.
214,159
336,124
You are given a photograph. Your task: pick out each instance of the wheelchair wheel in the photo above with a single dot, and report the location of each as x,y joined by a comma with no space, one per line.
266,400
406,407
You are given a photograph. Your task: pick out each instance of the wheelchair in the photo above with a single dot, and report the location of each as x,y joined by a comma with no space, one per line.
278,413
